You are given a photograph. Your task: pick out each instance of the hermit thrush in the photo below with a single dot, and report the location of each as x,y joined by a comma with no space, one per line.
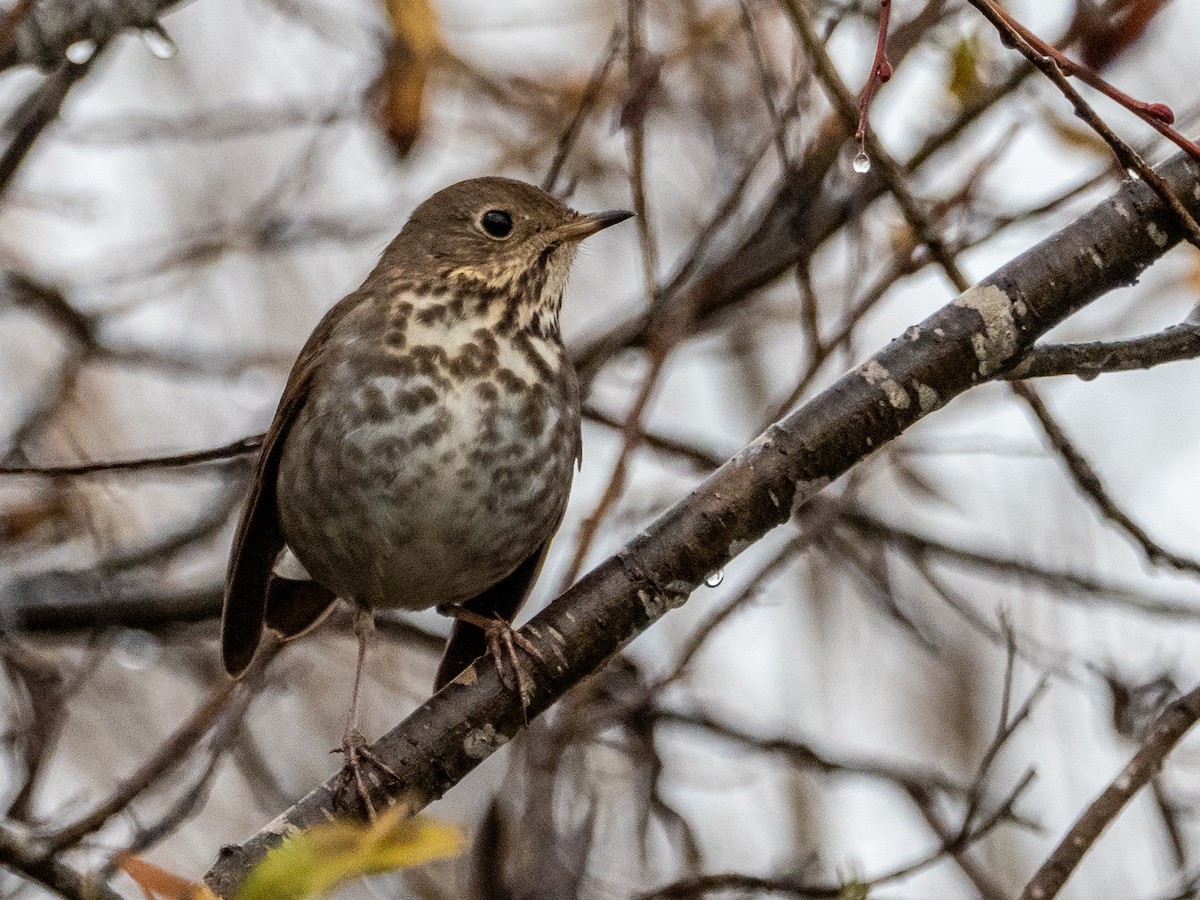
423,450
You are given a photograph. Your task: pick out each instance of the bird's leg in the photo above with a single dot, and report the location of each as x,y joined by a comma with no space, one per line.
502,643
355,748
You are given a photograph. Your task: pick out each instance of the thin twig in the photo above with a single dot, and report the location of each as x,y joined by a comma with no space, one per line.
881,73
241,447
1168,730
590,94
1088,360
23,856
1127,157
168,755
1093,488
847,109
1158,115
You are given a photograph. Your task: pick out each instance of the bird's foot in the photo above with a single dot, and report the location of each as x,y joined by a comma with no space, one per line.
358,752
502,643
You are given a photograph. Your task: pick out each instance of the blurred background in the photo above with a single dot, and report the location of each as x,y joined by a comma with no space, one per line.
835,705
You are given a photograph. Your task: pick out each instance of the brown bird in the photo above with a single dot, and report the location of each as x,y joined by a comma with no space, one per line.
423,450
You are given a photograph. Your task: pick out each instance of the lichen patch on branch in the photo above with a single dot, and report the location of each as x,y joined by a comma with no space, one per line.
927,397
998,341
876,374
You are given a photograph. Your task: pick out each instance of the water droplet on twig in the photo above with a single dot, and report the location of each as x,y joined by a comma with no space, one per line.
135,649
862,162
81,51
714,579
158,42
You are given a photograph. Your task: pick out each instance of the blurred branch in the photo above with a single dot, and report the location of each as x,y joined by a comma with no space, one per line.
797,887
803,755
1067,584
799,217
45,31
1093,488
65,602
587,101
30,120
165,758
1167,731
696,641
22,855
968,341
8,24
21,290
41,711
642,73
234,449
44,34
919,785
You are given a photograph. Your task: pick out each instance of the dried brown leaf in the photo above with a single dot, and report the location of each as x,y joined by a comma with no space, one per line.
416,41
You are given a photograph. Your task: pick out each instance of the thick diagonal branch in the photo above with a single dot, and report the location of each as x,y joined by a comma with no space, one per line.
969,341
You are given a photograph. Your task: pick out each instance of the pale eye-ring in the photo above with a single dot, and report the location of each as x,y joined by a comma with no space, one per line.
496,223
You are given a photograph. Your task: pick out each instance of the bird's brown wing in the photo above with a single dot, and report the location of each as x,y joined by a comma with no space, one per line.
259,537
256,545
503,600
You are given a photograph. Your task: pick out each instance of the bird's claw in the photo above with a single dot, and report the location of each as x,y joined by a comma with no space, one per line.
502,643
356,752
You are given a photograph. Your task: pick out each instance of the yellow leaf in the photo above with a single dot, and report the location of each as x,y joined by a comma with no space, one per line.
963,80
312,862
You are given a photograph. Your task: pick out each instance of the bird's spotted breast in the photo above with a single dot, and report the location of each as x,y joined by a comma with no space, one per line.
438,466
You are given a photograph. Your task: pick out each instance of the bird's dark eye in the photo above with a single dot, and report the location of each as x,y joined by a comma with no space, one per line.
497,223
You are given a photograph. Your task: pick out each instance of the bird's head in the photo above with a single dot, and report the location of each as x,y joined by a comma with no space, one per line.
499,240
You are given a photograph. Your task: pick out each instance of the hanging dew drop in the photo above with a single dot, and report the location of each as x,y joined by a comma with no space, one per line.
715,579
135,649
81,51
158,42
862,162
1134,174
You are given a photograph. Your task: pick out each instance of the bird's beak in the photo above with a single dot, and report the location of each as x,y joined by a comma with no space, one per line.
585,226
